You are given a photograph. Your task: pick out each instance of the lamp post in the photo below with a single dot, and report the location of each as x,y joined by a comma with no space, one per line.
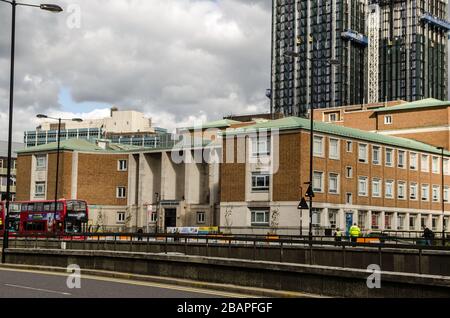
310,191
41,116
157,212
442,194
14,4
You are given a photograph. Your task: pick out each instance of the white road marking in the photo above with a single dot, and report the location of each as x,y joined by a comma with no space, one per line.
39,289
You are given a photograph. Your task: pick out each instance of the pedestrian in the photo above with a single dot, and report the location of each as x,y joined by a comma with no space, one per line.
428,235
140,232
355,232
338,235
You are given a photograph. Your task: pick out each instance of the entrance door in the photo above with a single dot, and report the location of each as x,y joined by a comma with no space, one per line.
348,221
170,218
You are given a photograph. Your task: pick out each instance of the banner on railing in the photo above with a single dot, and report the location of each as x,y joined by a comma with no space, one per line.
193,230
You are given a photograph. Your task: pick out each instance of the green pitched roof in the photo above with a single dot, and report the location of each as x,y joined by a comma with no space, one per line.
291,123
78,145
424,103
224,123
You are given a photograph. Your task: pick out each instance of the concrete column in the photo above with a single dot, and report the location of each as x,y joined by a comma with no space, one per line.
382,223
407,215
394,221
340,219
74,179
369,220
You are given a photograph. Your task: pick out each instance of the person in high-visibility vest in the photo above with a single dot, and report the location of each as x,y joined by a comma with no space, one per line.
338,235
355,232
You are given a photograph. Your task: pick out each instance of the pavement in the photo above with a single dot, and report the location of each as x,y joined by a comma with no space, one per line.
18,283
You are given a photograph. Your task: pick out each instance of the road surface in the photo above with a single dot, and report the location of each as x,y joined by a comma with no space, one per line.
35,284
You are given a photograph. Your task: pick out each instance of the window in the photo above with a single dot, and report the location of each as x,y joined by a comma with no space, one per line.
413,161
388,221
333,183
436,192
412,223
389,157
424,163
362,216
120,217
154,217
39,189
332,217
122,165
41,162
401,190
434,223
334,149
349,146
413,191
446,193
388,120
318,146
349,172
362,186
435,165
425,192
362,153
389,189
376,187
423,221
318,181
333,117
401,159
400,221
260,217
375,220
260,181
316,217
200,217
121,192
260,146
376,155
349,198
446,166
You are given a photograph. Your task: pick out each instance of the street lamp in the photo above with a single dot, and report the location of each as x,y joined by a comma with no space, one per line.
310,191
157,212
442,194
14,4
41,116
302,206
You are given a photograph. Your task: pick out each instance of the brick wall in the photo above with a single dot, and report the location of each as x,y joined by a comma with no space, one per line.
23,177
232,177
64,175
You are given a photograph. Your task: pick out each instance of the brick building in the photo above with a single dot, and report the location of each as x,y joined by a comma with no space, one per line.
426,120
381,182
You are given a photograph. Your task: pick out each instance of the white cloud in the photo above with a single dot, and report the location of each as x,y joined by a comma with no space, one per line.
175,60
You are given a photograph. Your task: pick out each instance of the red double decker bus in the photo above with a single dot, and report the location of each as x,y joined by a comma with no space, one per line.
41,217
14,217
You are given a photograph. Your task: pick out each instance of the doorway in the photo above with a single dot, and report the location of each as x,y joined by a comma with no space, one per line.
170,218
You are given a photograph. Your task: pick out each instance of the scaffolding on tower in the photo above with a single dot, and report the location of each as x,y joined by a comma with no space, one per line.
373,31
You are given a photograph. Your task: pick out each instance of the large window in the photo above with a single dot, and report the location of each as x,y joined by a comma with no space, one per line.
121,192
389,157
435,165
260,146
362,153
401,159
446,193
41,162
389,189
39,189
120,217
318,146
388,221
362,218
332,217
424,163
413,191
333,183
376,188
412,222
260,181
376,155
318,181
401,221
446,166
425,192
413,161
122,165
260,217
401,190
436,193
334,148
362,186
375,220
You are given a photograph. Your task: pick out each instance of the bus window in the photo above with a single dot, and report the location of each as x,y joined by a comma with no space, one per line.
38,207
35,226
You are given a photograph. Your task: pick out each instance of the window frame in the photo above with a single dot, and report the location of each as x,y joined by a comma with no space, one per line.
366,159
363,178
118,192
337,182
253,220
392,183
338,152
380,182
375,147
392,152
120,166
201,217
263,175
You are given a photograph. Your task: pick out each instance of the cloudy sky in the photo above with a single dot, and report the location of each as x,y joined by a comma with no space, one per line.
178,61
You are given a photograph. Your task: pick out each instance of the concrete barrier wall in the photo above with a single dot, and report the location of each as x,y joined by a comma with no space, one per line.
392,259
320,280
